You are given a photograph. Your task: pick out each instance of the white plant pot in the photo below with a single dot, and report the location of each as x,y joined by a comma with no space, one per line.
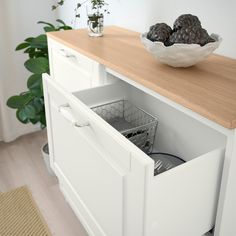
46,159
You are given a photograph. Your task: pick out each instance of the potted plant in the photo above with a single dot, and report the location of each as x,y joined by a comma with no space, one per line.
29,105
95,17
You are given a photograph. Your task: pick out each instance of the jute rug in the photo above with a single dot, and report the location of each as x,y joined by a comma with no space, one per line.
20,216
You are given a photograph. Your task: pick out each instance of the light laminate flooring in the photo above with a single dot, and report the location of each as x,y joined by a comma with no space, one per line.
21,163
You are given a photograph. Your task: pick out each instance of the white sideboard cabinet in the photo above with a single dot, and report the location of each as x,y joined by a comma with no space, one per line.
107,180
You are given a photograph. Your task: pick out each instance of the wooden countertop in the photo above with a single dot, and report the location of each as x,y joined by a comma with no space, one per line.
208,88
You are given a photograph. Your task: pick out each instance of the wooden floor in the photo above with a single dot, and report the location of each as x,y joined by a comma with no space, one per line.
21,163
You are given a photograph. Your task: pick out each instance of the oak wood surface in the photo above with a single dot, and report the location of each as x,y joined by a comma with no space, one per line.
208,88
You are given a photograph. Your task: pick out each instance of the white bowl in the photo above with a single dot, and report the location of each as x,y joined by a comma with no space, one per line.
180,55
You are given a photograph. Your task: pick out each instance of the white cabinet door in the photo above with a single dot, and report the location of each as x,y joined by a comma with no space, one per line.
81,159
98,184
72,70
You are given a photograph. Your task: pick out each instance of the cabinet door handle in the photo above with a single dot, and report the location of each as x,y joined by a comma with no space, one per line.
65,111
66,54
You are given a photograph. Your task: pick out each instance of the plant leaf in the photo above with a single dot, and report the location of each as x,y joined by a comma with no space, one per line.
38,105
61,21
34,84
49,29
31,55
34,81
37,92
65,27
18,101
45,23
39,54
22,46
21,116
35,120
29,39
43,120
61,2
39,42
54,7
37,65
29,50
29,111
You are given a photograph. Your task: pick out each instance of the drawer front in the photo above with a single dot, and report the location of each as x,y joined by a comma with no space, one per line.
85,154
70,70
98,184
183,201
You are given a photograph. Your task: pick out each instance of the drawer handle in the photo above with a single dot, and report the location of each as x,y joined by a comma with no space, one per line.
66,54
65,111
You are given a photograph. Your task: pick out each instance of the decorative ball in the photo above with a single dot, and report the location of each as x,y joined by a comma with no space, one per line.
190,35
186,20
159,32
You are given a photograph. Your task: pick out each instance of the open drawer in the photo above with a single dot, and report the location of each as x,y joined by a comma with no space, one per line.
110,183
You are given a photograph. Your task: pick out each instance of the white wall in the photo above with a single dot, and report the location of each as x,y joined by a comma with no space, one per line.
217,16
17,21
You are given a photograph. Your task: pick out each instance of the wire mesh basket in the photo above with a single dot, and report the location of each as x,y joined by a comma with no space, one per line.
134,123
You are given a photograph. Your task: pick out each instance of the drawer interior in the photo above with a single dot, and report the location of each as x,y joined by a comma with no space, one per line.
190,190
177,133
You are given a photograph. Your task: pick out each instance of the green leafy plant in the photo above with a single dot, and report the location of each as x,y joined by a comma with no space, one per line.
29,105
99,7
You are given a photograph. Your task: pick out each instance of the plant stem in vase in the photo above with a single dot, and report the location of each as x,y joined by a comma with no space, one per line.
95,25
95,17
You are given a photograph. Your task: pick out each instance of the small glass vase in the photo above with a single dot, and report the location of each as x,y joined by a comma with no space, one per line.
95,25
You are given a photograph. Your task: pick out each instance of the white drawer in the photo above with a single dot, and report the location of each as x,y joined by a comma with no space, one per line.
112,181
71,69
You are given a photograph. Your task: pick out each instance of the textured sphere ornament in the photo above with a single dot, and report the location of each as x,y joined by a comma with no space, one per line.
159,32
180,55
186,20
190,35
